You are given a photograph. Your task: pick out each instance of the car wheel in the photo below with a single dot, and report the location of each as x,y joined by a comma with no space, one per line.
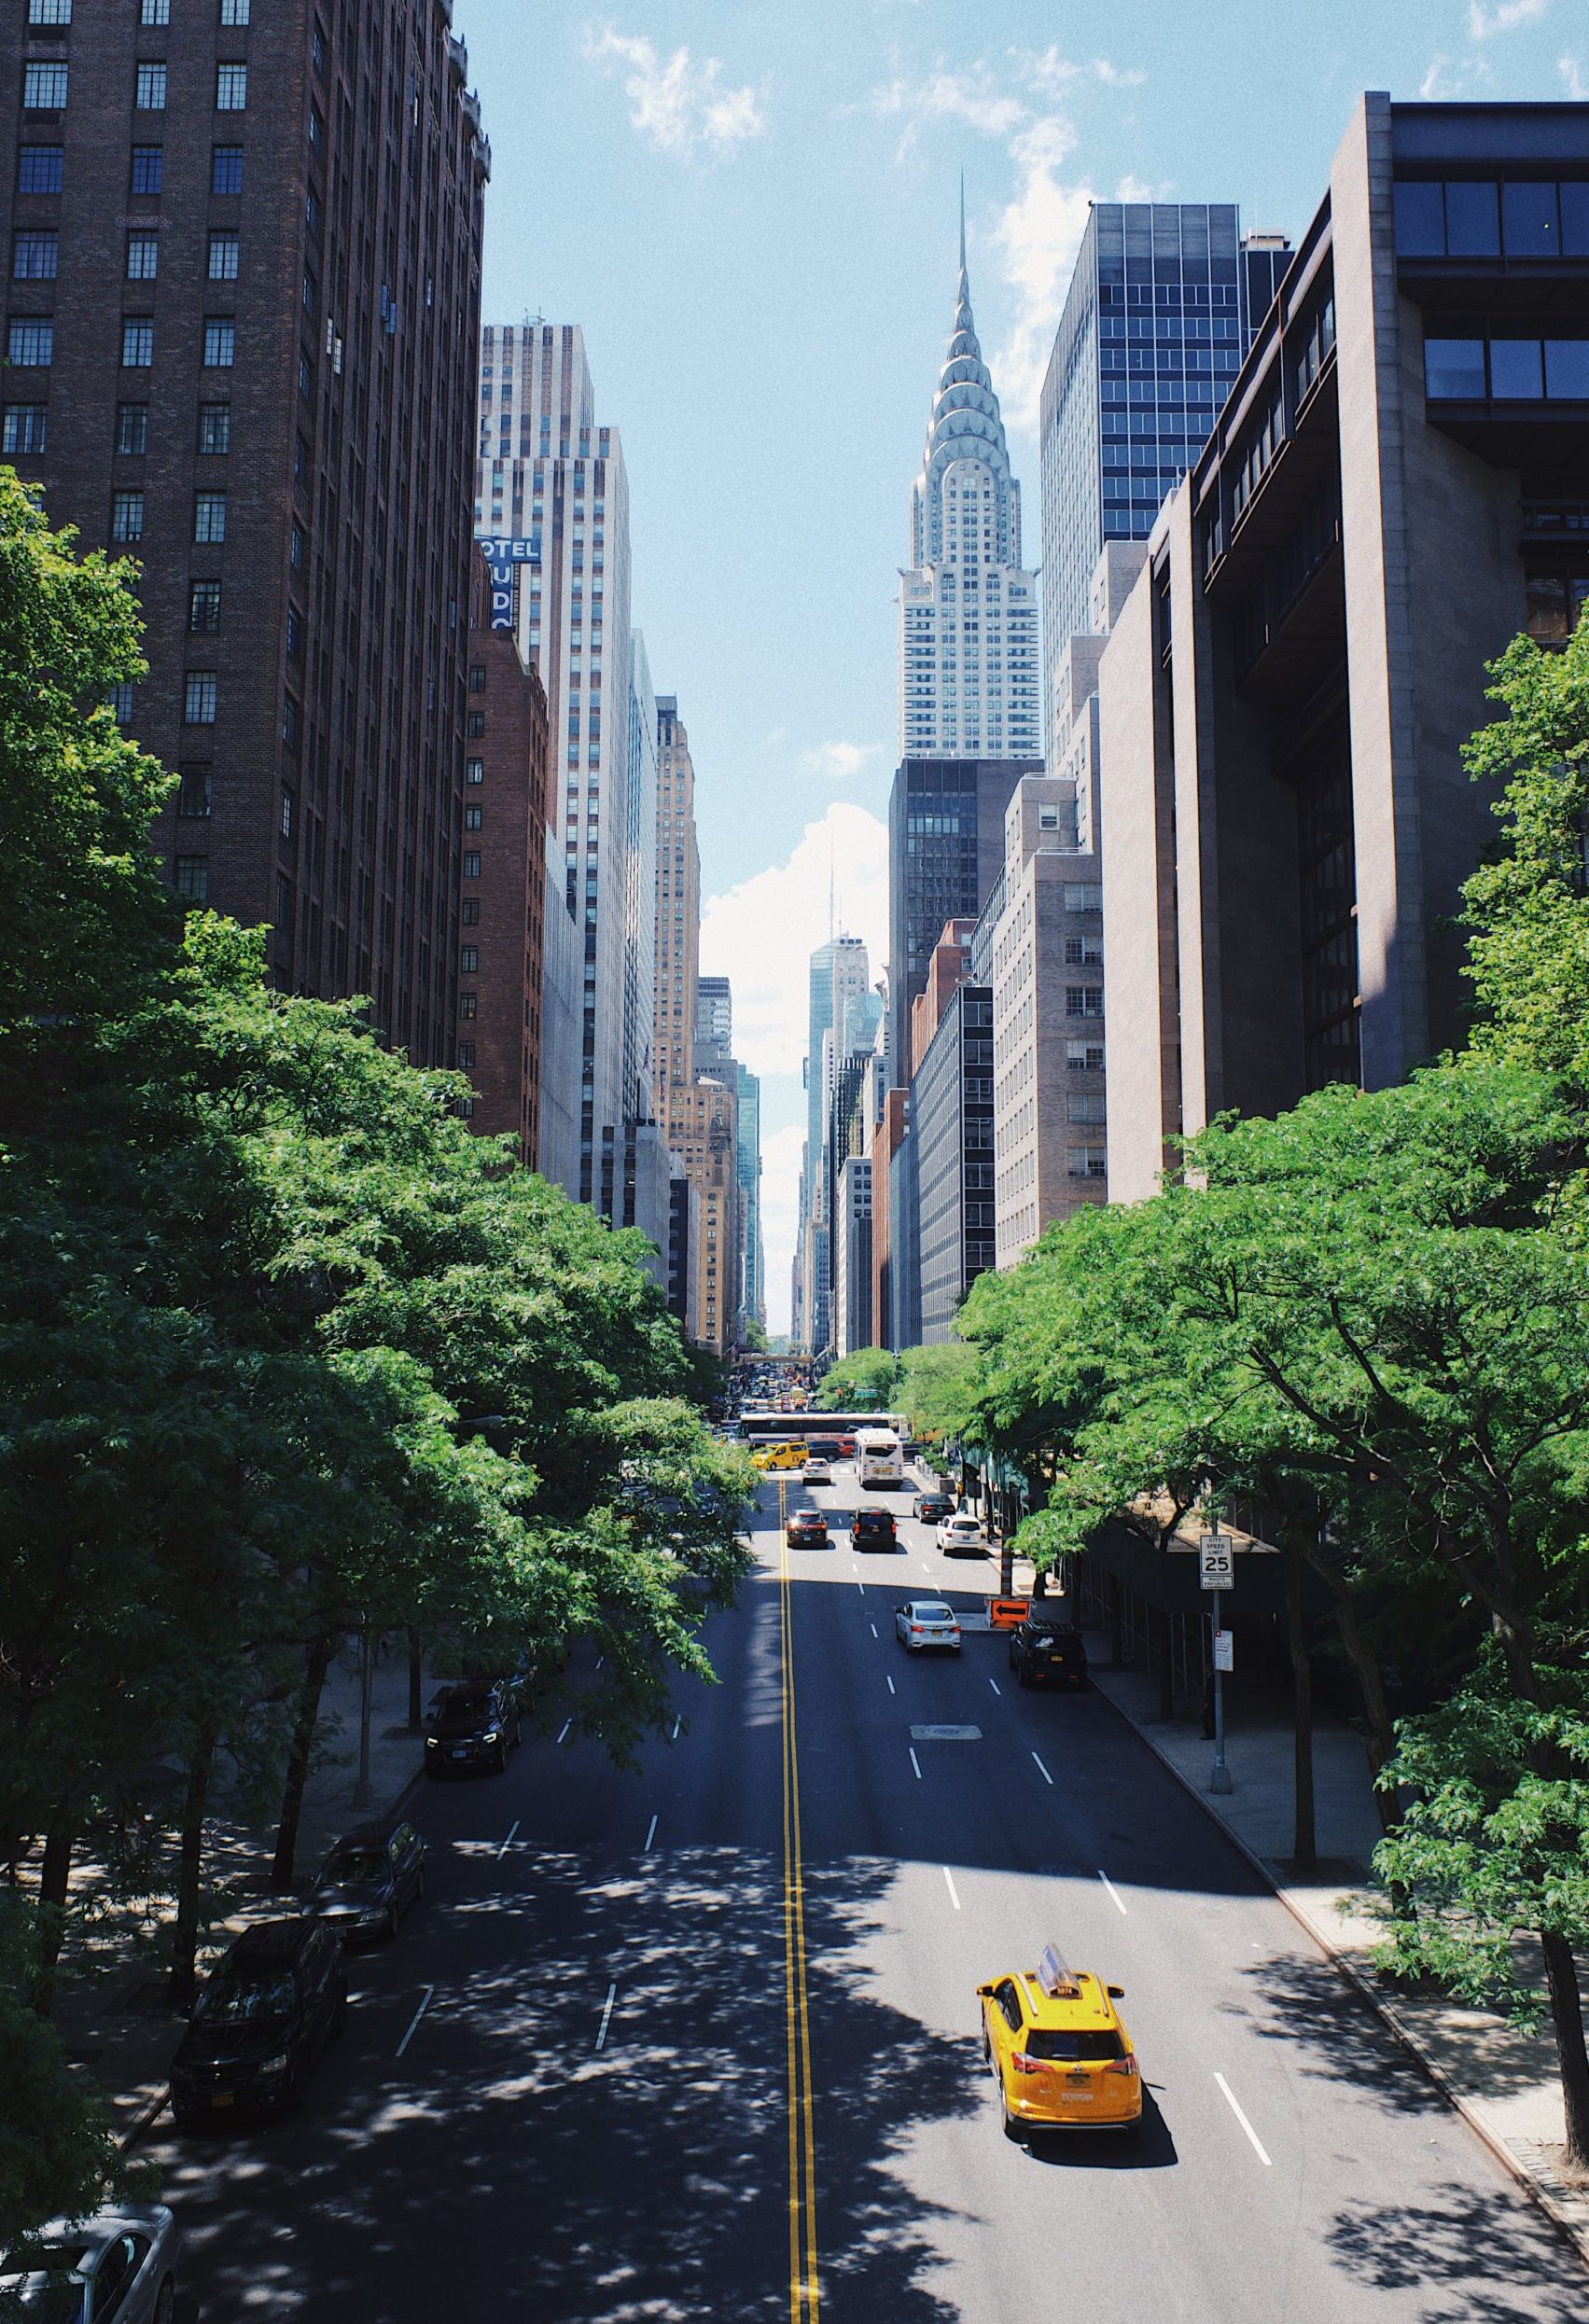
185,2117
165,2306
500,1762
1014,2128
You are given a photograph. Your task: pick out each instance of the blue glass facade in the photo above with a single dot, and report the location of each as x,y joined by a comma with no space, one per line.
1161,308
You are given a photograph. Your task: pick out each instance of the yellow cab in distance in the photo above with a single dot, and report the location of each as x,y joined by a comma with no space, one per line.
779,1456
1059,2051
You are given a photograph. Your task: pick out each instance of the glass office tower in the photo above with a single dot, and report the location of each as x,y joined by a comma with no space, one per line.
1162,306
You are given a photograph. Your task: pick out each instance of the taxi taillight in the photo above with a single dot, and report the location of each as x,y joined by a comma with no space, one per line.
1024,2065
1120,2065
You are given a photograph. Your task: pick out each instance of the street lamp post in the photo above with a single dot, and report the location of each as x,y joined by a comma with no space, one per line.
1216,1561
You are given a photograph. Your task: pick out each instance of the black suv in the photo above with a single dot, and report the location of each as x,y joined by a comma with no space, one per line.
277,1995
472,1724
1047,1652
370,1878
874,1529
931,1507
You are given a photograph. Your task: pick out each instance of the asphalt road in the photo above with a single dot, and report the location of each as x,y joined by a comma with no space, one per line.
673,2043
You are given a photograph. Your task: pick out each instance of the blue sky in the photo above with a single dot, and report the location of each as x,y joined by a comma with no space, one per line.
751,210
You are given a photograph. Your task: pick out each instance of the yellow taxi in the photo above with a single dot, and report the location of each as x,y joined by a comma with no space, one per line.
779,1456
1059,2051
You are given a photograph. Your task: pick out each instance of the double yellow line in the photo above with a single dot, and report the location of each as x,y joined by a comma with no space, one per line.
804,2297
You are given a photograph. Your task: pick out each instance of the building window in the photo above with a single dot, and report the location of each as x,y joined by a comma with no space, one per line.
474,724
209,517
151,89
474,769
287,804
137,346
220,343
468,960
296,549
154,12
148,168
234,13
471,866
127,515
1084,1056
295,633
1083,1000
142,258
199,699
36,258
467,1059
1083,898
468,1005
50,11
44,87
1090,1107
231,87
205,607
40,169
310,292
290,722
226,170
477,677
1083,951
468,912
32,344
214,427
193,877
474,818
25,429
193,796
118,702
223,258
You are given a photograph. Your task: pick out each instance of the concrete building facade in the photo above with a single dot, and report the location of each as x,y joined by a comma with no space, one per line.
852,1241
241,350
1394,489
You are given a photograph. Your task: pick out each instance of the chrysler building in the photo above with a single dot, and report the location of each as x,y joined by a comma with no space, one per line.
969,652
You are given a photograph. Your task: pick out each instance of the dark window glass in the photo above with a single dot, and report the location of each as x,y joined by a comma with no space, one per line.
26,428
1516,370
149,163
193,877
226,170
40,169
1455,369
34,257
1566,369
214,427
1528,213
468,912
193,799
1575,220
1420,222
205,605
133,427
1472,220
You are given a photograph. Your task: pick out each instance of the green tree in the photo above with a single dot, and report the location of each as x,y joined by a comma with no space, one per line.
866,1381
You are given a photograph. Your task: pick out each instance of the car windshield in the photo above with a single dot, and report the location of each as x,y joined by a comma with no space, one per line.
241,1997
357,1864
1073,2049
36,2281
460,1709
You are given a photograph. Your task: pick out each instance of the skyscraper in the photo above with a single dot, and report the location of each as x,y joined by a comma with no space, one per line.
552,503
240,350
1161,308
714,1026
840,976
945,853
969,676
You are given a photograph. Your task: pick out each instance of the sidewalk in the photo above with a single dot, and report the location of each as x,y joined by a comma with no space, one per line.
1503,2082
118,2023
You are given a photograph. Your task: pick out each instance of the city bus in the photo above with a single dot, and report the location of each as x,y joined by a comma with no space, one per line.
880,1461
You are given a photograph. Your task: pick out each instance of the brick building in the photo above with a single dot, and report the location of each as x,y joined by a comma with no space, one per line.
242,314
503,894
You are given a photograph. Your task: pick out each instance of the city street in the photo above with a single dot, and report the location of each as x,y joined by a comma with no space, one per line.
654,2048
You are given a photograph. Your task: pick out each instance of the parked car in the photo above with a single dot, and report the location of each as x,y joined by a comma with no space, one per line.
933,1506
473,1724
277,1995
1045,1651
817,1472
960,1537
923,1623
118,2262
874,1529
370,1879
807,1529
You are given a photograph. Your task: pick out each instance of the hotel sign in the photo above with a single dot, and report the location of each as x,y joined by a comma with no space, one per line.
503,557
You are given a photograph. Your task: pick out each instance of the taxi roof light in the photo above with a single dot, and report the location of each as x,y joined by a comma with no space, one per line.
1057,1980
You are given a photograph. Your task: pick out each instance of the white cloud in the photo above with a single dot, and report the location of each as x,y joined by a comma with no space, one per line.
840,762
762,934
1572,72
1040,230
1484,23
678,105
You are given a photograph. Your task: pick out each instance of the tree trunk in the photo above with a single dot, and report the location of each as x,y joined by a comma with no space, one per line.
54,1882
316,1663
185,1928
1370,1685
1305,1845
1566,2016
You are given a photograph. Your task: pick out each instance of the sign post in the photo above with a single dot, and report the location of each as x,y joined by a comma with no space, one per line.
1217,1558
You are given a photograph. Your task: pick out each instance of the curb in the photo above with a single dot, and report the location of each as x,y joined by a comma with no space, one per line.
1366,1990
154,2106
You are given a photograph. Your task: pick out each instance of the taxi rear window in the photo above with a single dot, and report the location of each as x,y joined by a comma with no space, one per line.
1073,2049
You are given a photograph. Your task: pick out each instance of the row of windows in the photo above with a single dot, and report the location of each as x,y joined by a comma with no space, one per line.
26,427
31,344
1507,370
42,169
127,517
1468,218
49,13
44,86
37,258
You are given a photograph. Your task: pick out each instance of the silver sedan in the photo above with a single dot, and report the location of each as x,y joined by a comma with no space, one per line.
923,1623
121,2262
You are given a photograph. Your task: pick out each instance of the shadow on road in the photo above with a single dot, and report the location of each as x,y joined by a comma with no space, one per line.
1464,2247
